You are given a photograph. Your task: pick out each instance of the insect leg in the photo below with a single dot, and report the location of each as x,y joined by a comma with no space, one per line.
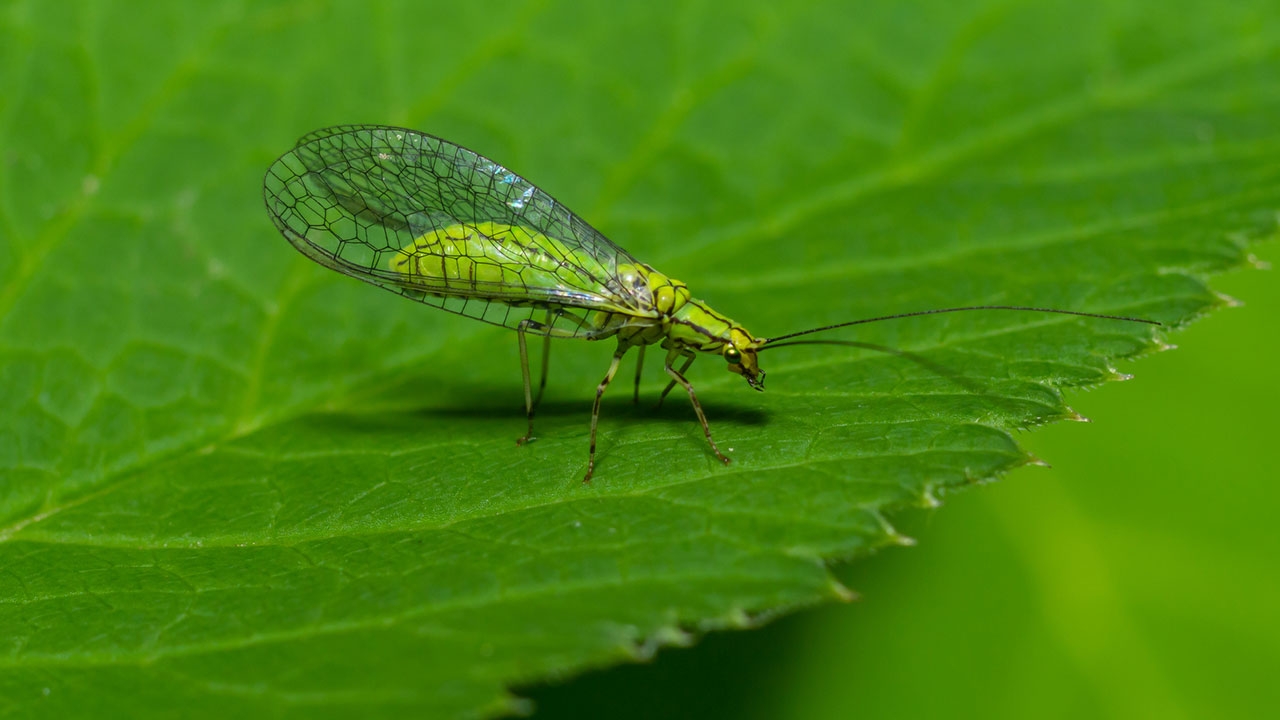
546,361
595,409
683,369
524,374
678,376
639,366
546,331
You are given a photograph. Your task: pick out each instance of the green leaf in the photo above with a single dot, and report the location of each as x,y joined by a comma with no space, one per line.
234,482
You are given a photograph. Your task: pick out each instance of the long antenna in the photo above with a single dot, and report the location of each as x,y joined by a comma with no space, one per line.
768,341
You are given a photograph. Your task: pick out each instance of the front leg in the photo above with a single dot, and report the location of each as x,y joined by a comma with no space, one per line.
688,360
678,377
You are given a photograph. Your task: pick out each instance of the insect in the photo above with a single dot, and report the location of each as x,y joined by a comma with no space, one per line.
440,224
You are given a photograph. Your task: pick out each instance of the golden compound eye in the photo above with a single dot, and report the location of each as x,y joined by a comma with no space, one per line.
732,355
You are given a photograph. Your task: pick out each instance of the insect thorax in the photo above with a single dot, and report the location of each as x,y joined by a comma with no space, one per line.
685,321
657,298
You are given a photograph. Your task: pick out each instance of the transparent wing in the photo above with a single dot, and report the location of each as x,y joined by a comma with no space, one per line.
354,197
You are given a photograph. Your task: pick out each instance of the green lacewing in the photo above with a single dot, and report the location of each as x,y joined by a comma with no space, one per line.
448,227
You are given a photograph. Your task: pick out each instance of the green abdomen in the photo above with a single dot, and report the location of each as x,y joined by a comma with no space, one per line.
489,258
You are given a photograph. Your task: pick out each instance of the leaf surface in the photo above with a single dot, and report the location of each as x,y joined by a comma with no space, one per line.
234,482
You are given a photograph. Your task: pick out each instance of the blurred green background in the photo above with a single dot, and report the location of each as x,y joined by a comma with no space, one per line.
1137,577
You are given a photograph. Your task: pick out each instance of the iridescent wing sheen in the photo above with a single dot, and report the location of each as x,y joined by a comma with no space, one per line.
353,197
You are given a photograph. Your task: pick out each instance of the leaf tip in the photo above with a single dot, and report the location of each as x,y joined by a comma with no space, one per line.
740,619
842,592
1225,300
513,706
1074,416
902,540
928,498
663,636
1036,461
